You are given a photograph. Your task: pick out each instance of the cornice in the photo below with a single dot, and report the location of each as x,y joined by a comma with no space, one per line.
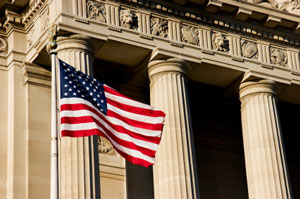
21,20
12,19
32,11
34,74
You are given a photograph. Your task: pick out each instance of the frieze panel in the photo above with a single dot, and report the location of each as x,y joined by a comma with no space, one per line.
96,11
128,19
159,27
249,49
190,35
220,42
278,56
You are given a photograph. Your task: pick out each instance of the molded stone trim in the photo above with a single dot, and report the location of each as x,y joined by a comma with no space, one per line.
33,74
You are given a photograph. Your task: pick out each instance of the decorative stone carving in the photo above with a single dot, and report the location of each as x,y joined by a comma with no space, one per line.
3,45
159,27
291,6
190,35
128,19
96,11
220,42
105,147
278,56
249,49
45,18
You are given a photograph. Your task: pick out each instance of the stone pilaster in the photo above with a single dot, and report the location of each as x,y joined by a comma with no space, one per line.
175,173
267,175
76,155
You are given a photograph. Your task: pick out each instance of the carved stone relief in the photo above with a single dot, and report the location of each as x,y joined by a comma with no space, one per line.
96,11
105,147
128,19
220,42
278,56
291,6
190,35
159,27
3,45
249,49
45,18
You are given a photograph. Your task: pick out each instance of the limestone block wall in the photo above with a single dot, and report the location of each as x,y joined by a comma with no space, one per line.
3,131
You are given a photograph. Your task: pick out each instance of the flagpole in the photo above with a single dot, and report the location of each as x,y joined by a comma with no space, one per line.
54,145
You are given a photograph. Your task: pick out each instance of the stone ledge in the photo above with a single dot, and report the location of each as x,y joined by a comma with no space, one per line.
33,74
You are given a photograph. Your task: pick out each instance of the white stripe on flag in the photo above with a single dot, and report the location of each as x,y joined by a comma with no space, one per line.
92,125
141,131
122,136
127,101
134,116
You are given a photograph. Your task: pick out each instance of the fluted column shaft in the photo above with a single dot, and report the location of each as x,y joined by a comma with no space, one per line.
76,155
267,175
175,168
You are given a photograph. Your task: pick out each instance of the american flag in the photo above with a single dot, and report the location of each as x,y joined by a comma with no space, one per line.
88,107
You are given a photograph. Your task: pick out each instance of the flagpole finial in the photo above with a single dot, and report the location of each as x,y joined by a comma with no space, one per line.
52,32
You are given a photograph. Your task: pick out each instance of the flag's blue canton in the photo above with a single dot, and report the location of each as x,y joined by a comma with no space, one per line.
74,83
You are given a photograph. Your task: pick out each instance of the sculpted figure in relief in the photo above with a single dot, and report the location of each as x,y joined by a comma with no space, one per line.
291,6
190,35
105,147
128,19
220,42
159,27
249,49
278,57
96,11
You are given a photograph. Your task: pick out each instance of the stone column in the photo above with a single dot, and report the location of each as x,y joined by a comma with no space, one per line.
267,175
77,167
175,168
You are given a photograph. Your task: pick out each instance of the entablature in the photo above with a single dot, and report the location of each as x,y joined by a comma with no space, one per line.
209,41
198,37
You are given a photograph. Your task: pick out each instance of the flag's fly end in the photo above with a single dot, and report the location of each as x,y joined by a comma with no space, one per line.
89,107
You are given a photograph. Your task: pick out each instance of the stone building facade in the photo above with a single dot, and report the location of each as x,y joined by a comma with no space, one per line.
226,73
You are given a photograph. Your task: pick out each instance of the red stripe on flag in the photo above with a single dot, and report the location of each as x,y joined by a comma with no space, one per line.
127,144
136,110
135,123
130,158
121,129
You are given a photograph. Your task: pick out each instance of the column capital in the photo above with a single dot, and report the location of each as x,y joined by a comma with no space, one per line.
76,41
258,86
175,65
